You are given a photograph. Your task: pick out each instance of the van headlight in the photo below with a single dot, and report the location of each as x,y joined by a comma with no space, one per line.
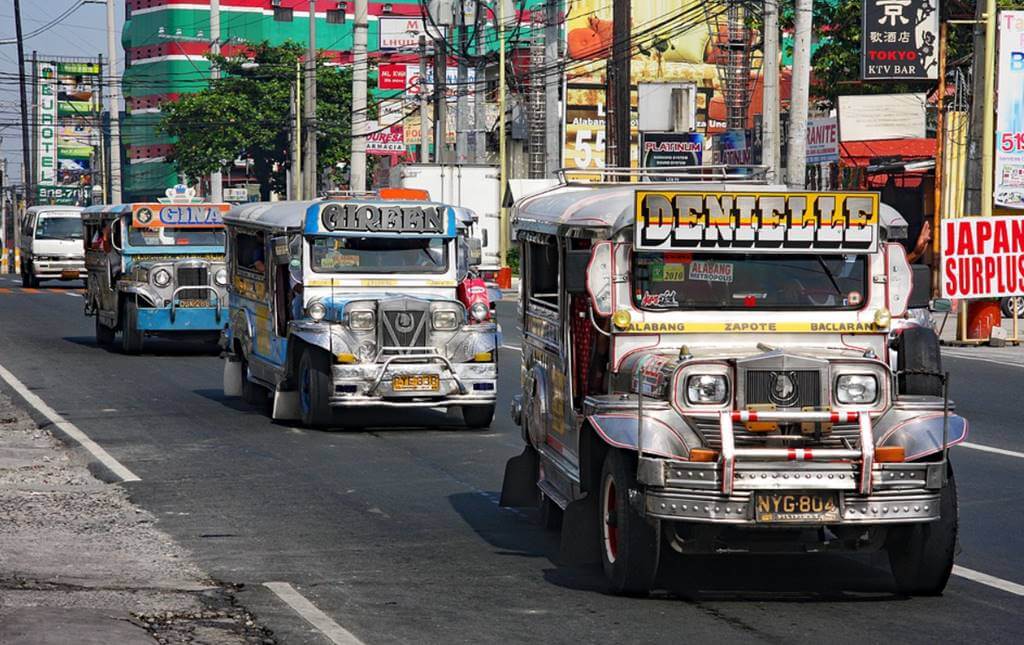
445,320
161,277
360,320
857,389
706,389
316,311
221,277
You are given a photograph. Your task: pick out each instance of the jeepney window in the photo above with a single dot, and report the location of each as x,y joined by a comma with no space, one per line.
175,236
681,281
542,269
379,255
250,252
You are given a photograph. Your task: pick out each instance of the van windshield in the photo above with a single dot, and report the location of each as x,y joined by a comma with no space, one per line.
173,236
379,255
684,281
59,228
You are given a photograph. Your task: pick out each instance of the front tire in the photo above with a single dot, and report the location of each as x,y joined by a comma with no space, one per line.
131,335
921,556
919,360
315,385
630,545
478,416
104,335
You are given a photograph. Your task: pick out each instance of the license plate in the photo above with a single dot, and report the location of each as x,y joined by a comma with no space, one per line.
69,275
796,507
416,383
192,303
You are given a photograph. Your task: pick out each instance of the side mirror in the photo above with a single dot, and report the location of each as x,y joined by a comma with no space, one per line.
115,235
941,305
599,278
476,251
922,281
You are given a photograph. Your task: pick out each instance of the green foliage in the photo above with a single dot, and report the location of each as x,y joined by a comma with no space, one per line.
512,259
247,113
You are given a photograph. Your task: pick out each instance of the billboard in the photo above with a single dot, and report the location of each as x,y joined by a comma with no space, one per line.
899,40
983,257
1009,179
671,149
871,117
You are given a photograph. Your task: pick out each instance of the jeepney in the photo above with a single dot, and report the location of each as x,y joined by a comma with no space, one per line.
156,269
357,303
712,367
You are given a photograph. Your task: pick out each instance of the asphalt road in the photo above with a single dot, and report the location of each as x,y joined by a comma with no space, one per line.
396,535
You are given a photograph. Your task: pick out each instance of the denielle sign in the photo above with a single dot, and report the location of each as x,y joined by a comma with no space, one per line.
46,168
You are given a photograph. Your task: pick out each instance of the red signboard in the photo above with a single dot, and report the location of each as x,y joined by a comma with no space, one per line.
391,77
983,257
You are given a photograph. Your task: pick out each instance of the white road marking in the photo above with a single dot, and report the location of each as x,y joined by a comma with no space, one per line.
997,451
69,428
332,630
513,348
73,295
991,581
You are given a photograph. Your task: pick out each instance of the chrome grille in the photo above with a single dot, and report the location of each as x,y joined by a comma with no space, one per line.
840,436
759,387
404,324
193,276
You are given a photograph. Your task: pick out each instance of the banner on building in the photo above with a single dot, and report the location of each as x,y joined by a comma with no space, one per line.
899,40
983,257
401,32
1009,179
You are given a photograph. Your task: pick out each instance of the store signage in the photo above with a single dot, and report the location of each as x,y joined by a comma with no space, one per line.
400,32
46,110
822,140
983,257
391,76
671,149
387,140
899,40
1009,179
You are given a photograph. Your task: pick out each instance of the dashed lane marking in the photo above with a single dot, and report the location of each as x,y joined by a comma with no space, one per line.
513,348
303,607
996,451
987,580
68,428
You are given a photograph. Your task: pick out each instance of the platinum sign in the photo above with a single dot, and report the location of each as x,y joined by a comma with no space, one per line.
46,168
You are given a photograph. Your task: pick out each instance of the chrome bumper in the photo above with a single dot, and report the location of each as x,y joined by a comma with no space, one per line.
372,384
54,269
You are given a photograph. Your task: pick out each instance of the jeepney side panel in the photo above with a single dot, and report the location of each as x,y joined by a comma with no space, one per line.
252,320
103,268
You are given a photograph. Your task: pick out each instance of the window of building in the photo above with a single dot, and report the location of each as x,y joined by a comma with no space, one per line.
335,16
283,14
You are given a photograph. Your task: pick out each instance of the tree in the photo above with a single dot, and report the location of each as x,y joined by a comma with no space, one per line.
246,113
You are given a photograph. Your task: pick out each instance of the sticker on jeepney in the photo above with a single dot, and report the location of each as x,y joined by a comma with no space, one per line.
853,299
711,271
673,273
664,300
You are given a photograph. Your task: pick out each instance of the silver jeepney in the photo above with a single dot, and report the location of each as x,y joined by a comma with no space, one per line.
725,366
346,315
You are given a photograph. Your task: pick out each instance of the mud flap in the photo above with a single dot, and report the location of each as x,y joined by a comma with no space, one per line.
232,377
286,406
519,488
580,543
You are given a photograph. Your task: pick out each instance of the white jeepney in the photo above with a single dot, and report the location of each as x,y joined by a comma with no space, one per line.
719,366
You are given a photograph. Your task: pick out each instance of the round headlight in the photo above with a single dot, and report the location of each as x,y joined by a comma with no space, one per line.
161,277
317,311
479,311
856,389
707,389
221,277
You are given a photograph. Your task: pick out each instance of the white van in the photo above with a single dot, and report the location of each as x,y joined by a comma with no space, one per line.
52,245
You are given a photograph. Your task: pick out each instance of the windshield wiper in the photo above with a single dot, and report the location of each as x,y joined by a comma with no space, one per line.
831,276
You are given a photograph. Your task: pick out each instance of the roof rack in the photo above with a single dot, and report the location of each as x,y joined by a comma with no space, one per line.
615,175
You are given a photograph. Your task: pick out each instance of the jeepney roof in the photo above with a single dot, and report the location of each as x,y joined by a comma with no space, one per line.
105,211
602,210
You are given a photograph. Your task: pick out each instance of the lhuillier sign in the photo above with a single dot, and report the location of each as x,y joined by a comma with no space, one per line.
900,40
983,257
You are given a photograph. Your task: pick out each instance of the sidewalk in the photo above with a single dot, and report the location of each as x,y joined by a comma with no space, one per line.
80,564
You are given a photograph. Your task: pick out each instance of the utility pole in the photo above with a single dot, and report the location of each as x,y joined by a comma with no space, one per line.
503,234
462,102
296,110
536,119
988,104
424,103
216,177
360,69
26,149
440,100
115,109
310,171
618,122
480,96
796,160
770,104
553,84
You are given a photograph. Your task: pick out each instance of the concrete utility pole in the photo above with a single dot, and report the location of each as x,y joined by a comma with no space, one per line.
480,96
115,109
216,177
796,160
988,104
462,102
553,85
310,171
360,69
770,111
440,100
619,84
296,183
424,103
26,149
503,234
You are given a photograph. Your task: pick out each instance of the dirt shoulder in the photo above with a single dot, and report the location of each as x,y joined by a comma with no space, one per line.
80,563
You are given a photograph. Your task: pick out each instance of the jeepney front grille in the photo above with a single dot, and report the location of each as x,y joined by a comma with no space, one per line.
404,327
193,276
759,385
840,436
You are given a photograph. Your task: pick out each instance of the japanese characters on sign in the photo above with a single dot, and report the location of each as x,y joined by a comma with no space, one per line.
983,257
1009,179
744,222
899,40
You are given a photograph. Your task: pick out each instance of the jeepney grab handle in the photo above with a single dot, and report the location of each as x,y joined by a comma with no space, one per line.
593,323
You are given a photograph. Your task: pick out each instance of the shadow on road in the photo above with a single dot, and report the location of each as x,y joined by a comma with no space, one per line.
157,347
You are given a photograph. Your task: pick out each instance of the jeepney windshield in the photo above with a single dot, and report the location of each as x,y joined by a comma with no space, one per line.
175,236
684,281
379,255
59,227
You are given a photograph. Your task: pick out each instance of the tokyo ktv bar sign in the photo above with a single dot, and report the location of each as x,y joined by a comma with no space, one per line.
900,40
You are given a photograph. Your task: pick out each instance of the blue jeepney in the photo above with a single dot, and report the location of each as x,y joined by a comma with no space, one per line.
155,269
345,304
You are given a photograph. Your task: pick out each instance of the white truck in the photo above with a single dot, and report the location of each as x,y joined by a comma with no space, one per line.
472,186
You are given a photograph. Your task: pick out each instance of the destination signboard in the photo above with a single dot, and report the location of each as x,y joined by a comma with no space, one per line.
385,219
178,215
745,222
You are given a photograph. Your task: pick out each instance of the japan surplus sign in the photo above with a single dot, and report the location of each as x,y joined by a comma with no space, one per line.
983,257
1009,179
899,40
